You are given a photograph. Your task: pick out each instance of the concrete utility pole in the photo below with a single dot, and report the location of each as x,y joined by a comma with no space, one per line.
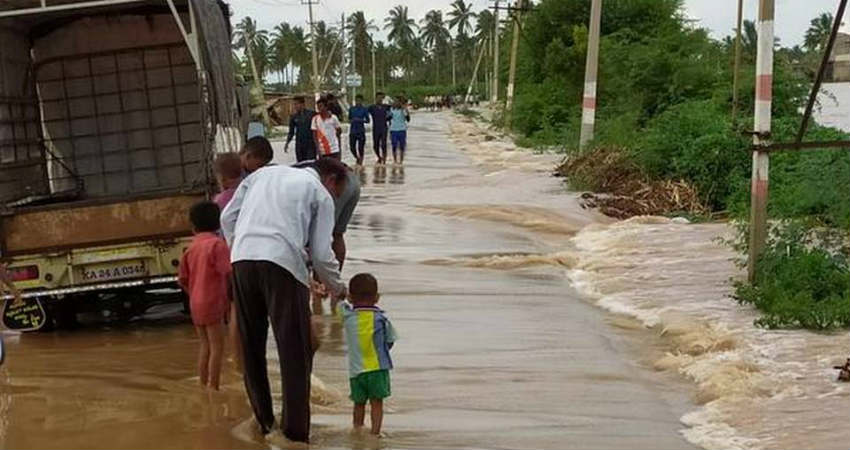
737,62
509,103
343,81
454,74
494,97
313,49
588,113
353,65
488,84
474,78
762,122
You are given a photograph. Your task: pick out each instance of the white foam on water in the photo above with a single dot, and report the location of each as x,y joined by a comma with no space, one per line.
676,279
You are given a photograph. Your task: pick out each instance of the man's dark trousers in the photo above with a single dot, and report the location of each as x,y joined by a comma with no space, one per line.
266,291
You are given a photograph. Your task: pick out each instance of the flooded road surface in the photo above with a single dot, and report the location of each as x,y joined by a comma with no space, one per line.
475,252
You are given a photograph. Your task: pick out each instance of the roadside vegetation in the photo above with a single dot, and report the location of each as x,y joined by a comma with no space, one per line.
666,142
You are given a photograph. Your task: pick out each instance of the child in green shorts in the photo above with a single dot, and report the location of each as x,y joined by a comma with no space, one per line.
370,336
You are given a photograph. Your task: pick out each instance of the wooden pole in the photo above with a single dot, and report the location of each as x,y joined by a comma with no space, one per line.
762,122
588,110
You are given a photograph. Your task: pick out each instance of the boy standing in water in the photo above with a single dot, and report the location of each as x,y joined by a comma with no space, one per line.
399,116
369,336
204,270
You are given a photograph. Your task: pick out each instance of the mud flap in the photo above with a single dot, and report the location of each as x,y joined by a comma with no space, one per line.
24,314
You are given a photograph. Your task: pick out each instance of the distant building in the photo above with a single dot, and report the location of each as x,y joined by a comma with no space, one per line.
838,69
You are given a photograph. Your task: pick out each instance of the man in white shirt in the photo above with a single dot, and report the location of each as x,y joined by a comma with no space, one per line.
275,216
327,131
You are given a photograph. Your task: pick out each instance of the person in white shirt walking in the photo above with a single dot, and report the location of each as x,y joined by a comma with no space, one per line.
327,131
275,216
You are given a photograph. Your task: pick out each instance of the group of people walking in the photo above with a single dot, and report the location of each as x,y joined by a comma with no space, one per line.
271,234
319,133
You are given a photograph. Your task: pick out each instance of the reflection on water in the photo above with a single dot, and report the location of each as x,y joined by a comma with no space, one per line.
379,174
397,175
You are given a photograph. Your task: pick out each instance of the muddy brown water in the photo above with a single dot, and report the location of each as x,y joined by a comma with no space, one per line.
497,348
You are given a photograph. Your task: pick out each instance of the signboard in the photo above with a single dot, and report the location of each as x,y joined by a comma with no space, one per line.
354,80
23,314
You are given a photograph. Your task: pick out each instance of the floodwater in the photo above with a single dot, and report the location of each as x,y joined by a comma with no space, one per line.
497,348
525,320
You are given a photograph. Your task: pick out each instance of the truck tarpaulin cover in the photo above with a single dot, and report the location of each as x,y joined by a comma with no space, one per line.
119,98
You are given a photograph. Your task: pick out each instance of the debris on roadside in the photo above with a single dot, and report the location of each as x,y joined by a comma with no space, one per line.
621,190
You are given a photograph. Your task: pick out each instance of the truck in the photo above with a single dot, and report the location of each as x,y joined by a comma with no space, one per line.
111,113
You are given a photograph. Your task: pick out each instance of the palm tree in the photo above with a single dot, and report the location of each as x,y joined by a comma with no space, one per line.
300,51
281,49
402,28
247,37
325,37
461,17
818,33
361,30
484,35
484,25
435,36
402,33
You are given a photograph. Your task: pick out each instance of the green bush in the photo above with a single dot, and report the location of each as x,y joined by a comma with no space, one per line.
694,141
802,280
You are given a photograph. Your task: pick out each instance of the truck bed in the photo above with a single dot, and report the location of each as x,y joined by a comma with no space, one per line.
73,225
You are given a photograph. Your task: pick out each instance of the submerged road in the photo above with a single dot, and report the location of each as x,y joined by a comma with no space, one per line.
497,349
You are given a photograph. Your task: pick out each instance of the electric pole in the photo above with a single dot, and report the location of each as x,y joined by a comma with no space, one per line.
737,63
343,82
474,78
313,49
374,78
512,71
761,136
353,66
588,114
454,75
494,98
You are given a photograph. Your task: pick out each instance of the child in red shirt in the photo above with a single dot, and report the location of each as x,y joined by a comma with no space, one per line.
204,270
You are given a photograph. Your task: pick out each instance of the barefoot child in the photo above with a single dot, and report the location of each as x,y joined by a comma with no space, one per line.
204,270
369,335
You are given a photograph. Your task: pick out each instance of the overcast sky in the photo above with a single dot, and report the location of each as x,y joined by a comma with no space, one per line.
792,16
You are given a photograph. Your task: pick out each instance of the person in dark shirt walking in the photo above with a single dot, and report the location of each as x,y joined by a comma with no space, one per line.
299,127
358,115
333,105
380,115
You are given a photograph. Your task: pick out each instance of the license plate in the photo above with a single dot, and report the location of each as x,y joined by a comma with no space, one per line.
113,271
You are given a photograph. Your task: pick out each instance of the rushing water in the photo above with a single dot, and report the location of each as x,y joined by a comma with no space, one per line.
502,289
